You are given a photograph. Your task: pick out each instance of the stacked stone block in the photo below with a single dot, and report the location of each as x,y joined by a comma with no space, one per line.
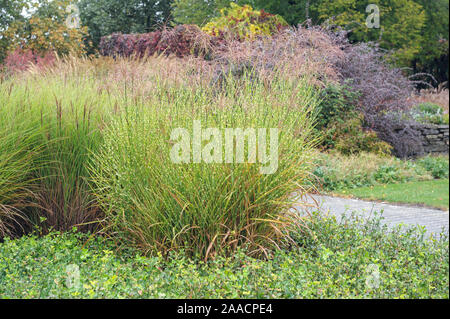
435,138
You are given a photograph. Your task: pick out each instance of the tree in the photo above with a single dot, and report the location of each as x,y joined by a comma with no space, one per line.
200,12
401,22
103,17
193,11
433,57
10,11
243,22
293,11
45,29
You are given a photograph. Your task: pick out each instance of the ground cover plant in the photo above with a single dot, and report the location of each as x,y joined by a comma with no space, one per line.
338,172
337,261
429,113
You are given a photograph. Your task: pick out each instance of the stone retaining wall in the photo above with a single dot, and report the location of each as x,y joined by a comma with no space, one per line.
434,137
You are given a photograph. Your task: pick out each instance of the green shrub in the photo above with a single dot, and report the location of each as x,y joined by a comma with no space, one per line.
243,23
350,137
336,103
437,165
333,263
205,209
342,126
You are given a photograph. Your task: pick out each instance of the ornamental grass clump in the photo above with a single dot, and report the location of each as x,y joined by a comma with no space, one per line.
49,128
19,149
205,209
100,155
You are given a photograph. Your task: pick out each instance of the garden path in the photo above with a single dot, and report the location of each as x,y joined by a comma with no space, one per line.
434,220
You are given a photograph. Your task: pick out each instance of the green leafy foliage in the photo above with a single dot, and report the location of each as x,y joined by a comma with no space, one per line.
198,12
243,22
337,101
438,166
429,113
400,26
293,11
334,262
351,137
433,55
339,172
342,126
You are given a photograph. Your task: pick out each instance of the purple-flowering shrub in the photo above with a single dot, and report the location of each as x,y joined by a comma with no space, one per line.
323,54
384,97
21,60
182,40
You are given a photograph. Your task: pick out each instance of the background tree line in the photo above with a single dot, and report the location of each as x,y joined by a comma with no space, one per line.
415,31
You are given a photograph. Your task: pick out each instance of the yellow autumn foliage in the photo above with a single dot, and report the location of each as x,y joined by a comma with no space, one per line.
244,23
44,34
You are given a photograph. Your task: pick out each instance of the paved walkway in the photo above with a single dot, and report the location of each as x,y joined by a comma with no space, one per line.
434,220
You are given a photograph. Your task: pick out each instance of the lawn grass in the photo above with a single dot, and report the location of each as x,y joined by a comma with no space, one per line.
433,193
